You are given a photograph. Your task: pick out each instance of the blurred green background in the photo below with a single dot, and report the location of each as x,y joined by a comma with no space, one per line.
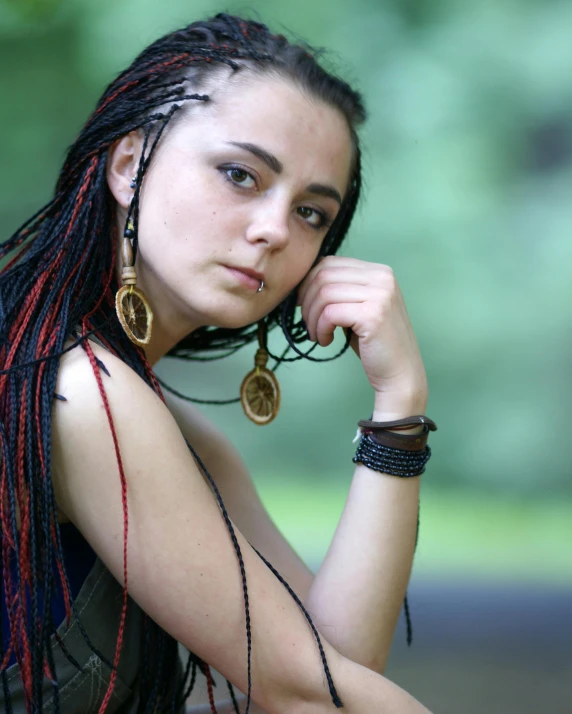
468,196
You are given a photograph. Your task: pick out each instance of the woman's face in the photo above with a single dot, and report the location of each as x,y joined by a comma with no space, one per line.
242,189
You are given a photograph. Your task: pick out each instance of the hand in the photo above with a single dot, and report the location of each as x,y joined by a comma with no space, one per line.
365,297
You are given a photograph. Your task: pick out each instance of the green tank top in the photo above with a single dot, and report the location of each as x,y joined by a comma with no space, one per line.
82,692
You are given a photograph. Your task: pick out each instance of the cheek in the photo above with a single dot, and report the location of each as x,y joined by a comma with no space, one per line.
173,217
300,263
200,212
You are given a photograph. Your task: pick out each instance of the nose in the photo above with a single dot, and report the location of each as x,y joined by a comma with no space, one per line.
269,223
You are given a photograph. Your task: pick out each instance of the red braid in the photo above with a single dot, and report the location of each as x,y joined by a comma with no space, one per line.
209,678
123,481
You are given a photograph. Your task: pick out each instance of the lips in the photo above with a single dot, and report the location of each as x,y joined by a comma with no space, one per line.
252,273
248,277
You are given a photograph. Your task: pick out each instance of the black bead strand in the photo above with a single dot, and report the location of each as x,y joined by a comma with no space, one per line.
395,462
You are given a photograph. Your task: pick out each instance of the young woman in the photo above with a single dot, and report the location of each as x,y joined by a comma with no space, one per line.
201,204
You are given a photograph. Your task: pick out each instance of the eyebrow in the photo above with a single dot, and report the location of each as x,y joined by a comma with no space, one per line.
269,159
320,189
277,167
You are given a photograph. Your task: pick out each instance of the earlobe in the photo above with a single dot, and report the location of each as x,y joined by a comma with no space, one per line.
122,163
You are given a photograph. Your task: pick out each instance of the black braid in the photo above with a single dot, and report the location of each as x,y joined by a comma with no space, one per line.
232,697
191,685
238,552
333,693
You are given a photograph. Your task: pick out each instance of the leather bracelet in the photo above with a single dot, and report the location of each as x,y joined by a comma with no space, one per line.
398,424
405,442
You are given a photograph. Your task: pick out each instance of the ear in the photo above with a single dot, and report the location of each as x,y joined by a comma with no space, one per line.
122,162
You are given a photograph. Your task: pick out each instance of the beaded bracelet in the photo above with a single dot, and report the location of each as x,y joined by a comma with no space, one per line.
395,462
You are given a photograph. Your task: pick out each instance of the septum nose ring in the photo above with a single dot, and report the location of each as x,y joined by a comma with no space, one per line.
261,286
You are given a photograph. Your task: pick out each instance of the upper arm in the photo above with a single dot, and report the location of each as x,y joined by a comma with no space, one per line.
239,494
182,566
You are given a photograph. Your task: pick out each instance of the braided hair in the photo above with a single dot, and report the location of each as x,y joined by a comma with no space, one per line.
60,280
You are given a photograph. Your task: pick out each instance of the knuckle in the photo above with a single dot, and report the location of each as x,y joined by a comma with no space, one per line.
388,278
325,274
325,292
328,260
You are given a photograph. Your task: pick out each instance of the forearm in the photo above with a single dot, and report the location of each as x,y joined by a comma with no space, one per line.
360,690
358,591
356,596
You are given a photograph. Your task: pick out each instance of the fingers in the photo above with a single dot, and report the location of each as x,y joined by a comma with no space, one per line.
332,316
332,294
334,269
344,280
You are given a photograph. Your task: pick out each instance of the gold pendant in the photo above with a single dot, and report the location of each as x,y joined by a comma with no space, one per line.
134,314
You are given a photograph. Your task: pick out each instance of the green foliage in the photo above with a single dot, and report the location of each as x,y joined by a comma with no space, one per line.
32,9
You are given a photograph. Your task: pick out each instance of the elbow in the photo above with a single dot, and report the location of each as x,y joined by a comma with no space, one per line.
375,664
302,687
368,657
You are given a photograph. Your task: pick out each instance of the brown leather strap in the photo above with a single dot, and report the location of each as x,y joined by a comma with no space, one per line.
406,442
406,423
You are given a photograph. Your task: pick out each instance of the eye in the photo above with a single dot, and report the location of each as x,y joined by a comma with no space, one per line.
314,218
239,176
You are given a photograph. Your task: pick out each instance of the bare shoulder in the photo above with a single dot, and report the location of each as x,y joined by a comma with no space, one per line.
77,378
108,416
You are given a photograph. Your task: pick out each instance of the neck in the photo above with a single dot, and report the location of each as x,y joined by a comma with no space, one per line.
163,339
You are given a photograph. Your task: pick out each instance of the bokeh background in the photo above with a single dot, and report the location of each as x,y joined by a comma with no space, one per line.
468,171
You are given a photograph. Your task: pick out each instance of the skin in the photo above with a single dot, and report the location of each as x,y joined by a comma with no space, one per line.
207,204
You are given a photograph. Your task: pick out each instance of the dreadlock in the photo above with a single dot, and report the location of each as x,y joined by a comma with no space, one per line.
59,282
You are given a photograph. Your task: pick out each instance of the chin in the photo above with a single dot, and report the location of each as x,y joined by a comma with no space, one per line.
231,316
229,322
228,310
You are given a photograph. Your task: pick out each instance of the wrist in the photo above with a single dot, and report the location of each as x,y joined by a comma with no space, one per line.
391,406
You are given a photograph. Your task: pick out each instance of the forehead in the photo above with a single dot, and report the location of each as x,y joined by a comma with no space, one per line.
311,138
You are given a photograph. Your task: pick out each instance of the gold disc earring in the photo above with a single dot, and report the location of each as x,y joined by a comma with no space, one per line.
259,391
133,309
